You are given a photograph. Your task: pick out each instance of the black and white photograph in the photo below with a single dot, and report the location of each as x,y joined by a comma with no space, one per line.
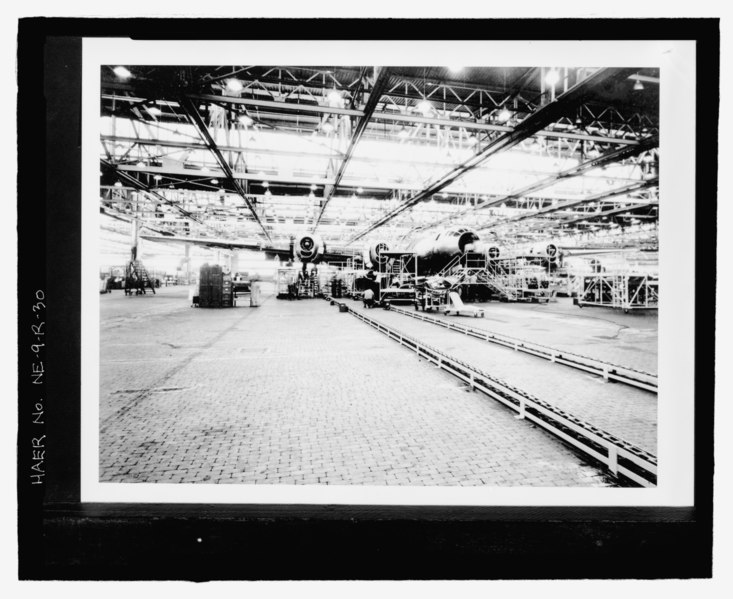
363,301
375,277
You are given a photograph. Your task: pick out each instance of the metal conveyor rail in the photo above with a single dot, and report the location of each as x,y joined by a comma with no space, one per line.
621,458
621,374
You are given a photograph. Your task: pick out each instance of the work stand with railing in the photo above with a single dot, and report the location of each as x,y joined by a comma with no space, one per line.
292,283
625,291
398,277
511,280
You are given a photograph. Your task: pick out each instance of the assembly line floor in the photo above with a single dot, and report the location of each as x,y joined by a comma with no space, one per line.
604,334
296,392
626,412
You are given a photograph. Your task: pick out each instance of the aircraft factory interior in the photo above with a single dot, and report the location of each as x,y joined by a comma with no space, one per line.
378,276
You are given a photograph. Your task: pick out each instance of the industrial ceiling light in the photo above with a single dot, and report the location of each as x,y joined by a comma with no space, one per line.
265,184
424,107
268,193
504,115
141,164
313,188
154,110
472,141
638,85
118,184
402,133
334,96
245,119
327,127
455,69
122,72
215,181
359,190
552,77
234,85
157,177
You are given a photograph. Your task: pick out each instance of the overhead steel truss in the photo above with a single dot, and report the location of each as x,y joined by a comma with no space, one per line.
606,213
381,80
292,98
139,185
616,155
199,124
538,120
566,130
605,195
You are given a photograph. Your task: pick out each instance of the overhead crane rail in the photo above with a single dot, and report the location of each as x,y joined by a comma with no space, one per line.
622,459
621,374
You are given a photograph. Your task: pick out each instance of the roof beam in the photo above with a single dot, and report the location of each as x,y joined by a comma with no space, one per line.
195,118
406,118
139,185
638,186
397,117
544,116
609,158
375,95
613,212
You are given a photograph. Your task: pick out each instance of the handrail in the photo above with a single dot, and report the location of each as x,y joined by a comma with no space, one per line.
621,458
621,374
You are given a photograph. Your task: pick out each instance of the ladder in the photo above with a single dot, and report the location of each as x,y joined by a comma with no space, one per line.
471,268
137,278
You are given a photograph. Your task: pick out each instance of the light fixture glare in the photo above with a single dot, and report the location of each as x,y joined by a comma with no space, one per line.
122,72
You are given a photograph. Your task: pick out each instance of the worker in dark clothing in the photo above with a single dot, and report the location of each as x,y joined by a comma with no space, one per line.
369,298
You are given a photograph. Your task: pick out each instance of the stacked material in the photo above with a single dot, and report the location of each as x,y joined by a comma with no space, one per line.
215,287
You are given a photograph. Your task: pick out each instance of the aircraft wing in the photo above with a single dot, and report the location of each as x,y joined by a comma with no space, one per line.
337,256
590,251
221,243
284,253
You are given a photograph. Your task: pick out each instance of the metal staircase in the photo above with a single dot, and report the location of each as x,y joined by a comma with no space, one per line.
472,269
137,278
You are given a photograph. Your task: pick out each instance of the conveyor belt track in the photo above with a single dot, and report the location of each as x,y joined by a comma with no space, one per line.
615,372
622,459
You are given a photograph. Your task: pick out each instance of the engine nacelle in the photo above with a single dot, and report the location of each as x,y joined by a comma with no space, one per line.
375,254
491,251
309,248
546,250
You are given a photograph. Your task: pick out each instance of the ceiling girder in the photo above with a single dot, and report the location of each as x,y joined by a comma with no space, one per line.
398,117
544,116
638,186
195,118
613,212
375,95
605,159
137,184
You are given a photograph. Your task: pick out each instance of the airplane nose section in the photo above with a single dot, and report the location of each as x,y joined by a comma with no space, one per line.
466,241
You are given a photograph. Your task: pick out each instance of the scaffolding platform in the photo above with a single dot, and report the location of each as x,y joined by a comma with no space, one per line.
397,278
510,280
625,291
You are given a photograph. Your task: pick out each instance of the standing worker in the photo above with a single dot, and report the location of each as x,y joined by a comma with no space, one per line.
369,298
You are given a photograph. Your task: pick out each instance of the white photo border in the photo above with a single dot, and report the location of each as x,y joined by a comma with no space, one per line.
676,399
